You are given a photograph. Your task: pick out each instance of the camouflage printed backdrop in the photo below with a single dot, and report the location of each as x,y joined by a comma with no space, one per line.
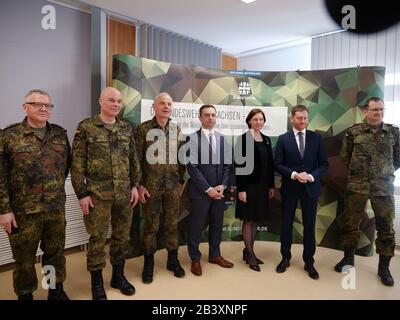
332,97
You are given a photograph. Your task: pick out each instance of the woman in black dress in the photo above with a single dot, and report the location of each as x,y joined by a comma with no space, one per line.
254,180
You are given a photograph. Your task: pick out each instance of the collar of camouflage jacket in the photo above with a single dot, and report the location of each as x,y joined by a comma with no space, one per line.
383,126
29,130
156,125
119,124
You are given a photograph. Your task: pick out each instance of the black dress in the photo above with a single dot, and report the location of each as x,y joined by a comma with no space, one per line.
256,185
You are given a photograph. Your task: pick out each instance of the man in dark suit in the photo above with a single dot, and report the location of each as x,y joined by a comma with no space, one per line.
209,167
300,158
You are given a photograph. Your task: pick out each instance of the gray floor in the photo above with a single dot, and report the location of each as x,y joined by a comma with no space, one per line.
237,283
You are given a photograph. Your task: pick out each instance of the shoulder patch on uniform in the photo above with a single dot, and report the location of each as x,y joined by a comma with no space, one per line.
82,124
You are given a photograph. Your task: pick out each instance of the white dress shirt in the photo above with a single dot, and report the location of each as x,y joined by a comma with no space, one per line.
207,132
296,136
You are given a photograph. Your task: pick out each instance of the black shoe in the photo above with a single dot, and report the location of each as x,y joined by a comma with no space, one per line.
58,293
174,265
253,264
245,257
347,261
26,296
285,263
384,272
118,280
313,274
98,292
147,274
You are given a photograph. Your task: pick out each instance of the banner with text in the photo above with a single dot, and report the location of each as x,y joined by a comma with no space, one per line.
332,96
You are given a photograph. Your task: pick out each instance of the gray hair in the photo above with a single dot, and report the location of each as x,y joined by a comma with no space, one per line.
38,91
162,94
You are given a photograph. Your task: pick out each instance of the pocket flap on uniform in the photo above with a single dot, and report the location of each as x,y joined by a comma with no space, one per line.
27,148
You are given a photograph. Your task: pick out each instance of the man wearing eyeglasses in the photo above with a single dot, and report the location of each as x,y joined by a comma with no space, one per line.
35,158
105,173
371,152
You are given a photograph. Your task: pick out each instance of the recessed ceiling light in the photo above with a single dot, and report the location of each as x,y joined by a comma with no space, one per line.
247,1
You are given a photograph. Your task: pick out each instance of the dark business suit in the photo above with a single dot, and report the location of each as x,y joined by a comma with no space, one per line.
314,162
205,173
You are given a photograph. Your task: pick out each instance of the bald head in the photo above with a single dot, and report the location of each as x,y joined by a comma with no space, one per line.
109,91
110,102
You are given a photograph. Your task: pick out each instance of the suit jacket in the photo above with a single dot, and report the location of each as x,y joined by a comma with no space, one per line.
260,164
288,159
204,174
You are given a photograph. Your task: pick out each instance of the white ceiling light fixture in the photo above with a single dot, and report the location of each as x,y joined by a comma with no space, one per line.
247,1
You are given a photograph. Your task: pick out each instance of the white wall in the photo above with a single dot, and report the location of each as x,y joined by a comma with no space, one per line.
297,57
57,61
344,50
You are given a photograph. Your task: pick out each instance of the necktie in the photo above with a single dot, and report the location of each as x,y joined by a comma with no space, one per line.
301,144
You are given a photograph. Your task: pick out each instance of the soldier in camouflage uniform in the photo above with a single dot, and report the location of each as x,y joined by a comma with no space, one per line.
34,163
371,151
105,172
162,180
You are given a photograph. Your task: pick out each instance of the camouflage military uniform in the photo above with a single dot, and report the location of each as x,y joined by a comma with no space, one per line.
105,167
33,172
372,157
161,180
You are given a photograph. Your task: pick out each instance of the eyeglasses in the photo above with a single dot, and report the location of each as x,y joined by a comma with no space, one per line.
38,105
376,109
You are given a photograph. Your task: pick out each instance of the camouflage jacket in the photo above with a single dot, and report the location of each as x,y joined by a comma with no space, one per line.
371,158
104,162
158,155
32,170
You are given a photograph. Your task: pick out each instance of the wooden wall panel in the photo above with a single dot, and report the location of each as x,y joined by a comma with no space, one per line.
229,62
121,39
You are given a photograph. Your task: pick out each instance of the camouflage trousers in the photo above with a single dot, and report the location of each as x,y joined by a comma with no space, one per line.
97,225
161,202
354,211
48,228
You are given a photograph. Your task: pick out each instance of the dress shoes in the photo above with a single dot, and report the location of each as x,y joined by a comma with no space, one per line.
220,261
254,266
196,268
245,257
312,273
285,263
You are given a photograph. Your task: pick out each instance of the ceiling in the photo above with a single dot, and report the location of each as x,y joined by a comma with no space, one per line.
235,27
